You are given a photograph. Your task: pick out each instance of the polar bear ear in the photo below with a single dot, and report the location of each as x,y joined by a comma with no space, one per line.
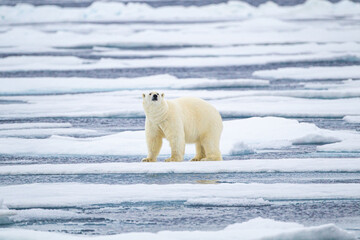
143,95
162,95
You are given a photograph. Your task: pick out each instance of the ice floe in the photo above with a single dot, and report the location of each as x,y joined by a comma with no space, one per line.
254,229
47,132
275,133
24,86
311,73
258,165
79,194
5,213
315,139
32,125
62,63
348,145
347,47
228,38
352,119
115,11
128,103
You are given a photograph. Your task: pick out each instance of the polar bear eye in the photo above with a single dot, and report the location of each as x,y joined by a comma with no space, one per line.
150,94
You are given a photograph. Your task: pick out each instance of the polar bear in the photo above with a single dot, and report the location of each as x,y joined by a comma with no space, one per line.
180,121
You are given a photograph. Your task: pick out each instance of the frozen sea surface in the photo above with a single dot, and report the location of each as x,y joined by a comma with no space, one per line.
285,77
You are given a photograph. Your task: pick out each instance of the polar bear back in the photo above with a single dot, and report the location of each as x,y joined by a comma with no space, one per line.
199,118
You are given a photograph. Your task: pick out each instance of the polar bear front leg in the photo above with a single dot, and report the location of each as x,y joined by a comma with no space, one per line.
177,144
153,141
154,145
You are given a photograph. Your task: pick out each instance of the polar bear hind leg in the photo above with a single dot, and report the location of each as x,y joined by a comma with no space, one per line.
212,151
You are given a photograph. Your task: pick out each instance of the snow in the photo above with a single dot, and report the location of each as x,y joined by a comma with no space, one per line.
257,228
112,11
79,194
343,146
239,166
11,86
239,137
352,119
241,148
226,202
311,73
315,139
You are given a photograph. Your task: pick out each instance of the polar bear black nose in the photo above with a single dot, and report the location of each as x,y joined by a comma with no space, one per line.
155,97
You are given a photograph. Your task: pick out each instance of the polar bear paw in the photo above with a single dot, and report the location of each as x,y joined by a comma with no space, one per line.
211,159
148,160
195,159
172,160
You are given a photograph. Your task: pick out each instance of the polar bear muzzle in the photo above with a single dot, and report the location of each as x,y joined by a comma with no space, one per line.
155,97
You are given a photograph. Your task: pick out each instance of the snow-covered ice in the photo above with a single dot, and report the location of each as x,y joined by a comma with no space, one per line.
47,132
343,146
128,103
348,47
36,63
310,73
107,11
259,165
25,86
352,119
69,71
254,229
33,125
275,133
79,194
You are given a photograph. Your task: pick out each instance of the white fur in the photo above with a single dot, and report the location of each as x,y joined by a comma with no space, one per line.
180,121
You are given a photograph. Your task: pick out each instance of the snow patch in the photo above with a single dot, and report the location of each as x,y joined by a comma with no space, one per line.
241,148
315,139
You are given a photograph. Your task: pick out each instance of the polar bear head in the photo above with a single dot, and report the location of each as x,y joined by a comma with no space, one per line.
155,106
153,98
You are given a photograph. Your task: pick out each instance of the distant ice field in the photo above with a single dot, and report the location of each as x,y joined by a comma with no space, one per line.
285,78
